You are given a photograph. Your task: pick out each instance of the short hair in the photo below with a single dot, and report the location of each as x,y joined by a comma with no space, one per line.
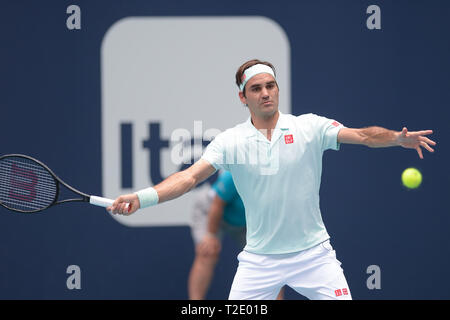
245,66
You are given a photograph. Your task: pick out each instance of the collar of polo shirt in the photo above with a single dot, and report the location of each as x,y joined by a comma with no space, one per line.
280,129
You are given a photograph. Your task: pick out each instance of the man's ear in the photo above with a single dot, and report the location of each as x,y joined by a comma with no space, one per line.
242,97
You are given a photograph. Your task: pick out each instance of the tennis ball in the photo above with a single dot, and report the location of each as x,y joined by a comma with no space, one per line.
411,178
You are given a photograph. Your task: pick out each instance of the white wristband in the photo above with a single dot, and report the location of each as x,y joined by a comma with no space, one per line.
147,197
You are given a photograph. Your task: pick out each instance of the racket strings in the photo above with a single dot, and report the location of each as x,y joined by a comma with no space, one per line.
5,179
25,185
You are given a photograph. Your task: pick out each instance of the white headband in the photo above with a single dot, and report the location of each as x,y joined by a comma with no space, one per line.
253,71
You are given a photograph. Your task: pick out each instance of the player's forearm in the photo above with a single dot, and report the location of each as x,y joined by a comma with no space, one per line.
378,137
175,186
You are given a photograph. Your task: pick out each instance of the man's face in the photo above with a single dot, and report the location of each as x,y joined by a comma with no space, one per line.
261,95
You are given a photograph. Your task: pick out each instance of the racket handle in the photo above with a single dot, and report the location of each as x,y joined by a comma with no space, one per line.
101,202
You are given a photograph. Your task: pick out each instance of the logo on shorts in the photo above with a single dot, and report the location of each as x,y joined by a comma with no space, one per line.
288,138
340,292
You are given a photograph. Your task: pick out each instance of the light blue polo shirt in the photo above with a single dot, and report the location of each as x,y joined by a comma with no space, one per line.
278,180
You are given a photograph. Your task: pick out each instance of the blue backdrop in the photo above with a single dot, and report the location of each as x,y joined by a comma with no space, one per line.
393,77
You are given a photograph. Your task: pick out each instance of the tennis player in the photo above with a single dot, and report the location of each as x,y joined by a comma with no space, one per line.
276,162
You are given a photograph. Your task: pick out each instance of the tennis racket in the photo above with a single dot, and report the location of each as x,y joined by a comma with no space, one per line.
28,186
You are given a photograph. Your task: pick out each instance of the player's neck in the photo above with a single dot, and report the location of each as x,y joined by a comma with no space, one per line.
265,124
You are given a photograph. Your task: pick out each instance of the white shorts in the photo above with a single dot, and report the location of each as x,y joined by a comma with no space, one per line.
314,273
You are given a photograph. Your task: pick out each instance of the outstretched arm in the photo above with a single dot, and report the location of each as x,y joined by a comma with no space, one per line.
173,187
377,137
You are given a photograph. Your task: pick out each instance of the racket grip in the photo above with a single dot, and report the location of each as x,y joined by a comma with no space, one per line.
101,202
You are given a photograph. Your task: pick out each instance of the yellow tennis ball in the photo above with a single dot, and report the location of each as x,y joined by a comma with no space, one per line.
411,178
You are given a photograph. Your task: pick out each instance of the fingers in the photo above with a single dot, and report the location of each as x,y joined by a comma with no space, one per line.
426,146
122,209
404,131
424,142
429,141
424,132
423,145
416,133
420,133
121,206
417,140
419,151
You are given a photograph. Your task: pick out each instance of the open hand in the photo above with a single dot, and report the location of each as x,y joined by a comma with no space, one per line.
416,140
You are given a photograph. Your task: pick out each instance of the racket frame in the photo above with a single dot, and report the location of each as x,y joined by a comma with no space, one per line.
58,181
